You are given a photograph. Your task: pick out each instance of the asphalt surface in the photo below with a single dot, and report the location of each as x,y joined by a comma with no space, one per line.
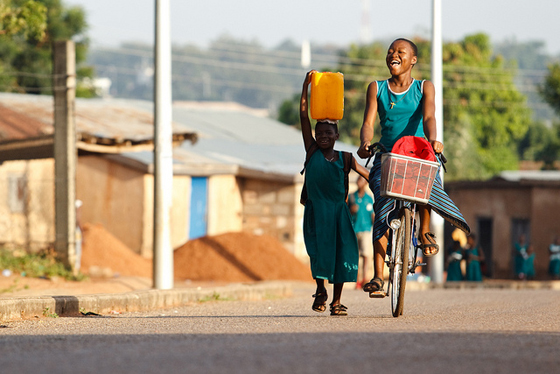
74,303
462,329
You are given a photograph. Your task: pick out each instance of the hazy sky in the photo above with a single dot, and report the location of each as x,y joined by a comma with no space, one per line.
321,21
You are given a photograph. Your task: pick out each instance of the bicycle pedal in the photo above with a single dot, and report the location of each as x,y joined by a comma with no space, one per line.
377,294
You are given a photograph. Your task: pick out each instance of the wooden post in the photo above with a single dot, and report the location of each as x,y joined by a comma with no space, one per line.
65,152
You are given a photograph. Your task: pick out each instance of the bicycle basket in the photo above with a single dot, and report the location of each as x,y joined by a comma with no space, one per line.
407,178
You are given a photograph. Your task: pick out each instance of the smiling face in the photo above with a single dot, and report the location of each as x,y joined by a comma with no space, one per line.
400,57
325,135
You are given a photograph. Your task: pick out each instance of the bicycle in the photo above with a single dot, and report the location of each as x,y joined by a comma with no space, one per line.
402,246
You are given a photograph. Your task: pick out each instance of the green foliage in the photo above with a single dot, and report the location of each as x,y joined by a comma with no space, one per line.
485,116
288,112
550,89
35,265
26,58
27,19
47,313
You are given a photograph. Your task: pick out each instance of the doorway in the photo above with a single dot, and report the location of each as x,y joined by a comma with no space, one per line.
199,207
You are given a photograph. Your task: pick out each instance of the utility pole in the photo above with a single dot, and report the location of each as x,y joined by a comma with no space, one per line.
65,151
437,262
163,154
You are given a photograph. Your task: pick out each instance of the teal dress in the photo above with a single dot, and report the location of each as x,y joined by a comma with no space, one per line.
454,273
554,264
327,225
474,272
520,255
529,266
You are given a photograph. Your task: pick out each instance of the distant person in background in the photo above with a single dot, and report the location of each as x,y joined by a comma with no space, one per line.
329,237
361,209
475,256
529,264
554,264
453,262
520,254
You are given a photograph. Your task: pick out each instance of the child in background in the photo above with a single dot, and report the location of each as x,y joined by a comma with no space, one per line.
361,209
554,264
529,264
453,262
327,226
475,256
406,107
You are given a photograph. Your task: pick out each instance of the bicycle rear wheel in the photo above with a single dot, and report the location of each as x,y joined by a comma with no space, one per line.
400,261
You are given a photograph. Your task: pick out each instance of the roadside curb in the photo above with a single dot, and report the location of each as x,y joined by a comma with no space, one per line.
17,308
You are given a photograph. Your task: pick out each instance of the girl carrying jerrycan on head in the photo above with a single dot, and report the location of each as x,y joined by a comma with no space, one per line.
327,226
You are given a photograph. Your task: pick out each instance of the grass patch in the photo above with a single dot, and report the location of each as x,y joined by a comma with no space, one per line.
214,297
36,265
48,313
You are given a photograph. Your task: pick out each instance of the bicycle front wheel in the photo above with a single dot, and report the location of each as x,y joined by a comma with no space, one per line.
400,261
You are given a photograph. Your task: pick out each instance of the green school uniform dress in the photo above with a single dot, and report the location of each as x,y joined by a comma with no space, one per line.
454,273
327,225
474,273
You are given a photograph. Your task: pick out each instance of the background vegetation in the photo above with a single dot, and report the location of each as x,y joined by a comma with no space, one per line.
501,103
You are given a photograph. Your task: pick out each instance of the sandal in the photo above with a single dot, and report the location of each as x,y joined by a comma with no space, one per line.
375,288
320,302
338,310
374,285
424,247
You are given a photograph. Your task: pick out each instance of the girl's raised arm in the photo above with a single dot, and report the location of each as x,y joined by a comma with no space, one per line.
304,113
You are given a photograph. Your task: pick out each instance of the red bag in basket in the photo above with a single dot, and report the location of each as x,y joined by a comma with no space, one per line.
414,146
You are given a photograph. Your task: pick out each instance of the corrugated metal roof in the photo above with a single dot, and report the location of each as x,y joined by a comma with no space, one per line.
113,119
530,175
230,140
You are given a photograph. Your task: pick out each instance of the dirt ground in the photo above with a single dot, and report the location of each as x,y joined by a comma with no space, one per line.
112,267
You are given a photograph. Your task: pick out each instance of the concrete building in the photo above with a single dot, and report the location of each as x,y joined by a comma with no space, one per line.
238,172
501,209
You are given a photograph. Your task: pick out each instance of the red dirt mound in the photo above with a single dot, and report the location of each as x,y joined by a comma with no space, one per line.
102,250
231,257
237,257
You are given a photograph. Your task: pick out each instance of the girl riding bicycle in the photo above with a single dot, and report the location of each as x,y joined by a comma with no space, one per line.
406,107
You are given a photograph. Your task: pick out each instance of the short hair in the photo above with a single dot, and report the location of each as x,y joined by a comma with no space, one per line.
412,45
328,122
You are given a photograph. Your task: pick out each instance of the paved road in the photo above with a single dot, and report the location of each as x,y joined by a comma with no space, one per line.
442,331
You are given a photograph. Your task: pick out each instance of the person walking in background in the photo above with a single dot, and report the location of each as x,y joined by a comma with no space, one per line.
475,256
554,264
453,262
361,209
529,264
520,254
329,237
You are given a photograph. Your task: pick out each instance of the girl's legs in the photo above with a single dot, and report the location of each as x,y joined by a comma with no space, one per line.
337,309
337,293
379,251
320,302
320,286
431,247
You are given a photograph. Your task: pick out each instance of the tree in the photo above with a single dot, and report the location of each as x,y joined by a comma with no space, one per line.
485,117
550,88
28,19
26,57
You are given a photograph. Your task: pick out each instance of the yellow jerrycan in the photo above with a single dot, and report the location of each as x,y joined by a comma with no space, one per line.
327,96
